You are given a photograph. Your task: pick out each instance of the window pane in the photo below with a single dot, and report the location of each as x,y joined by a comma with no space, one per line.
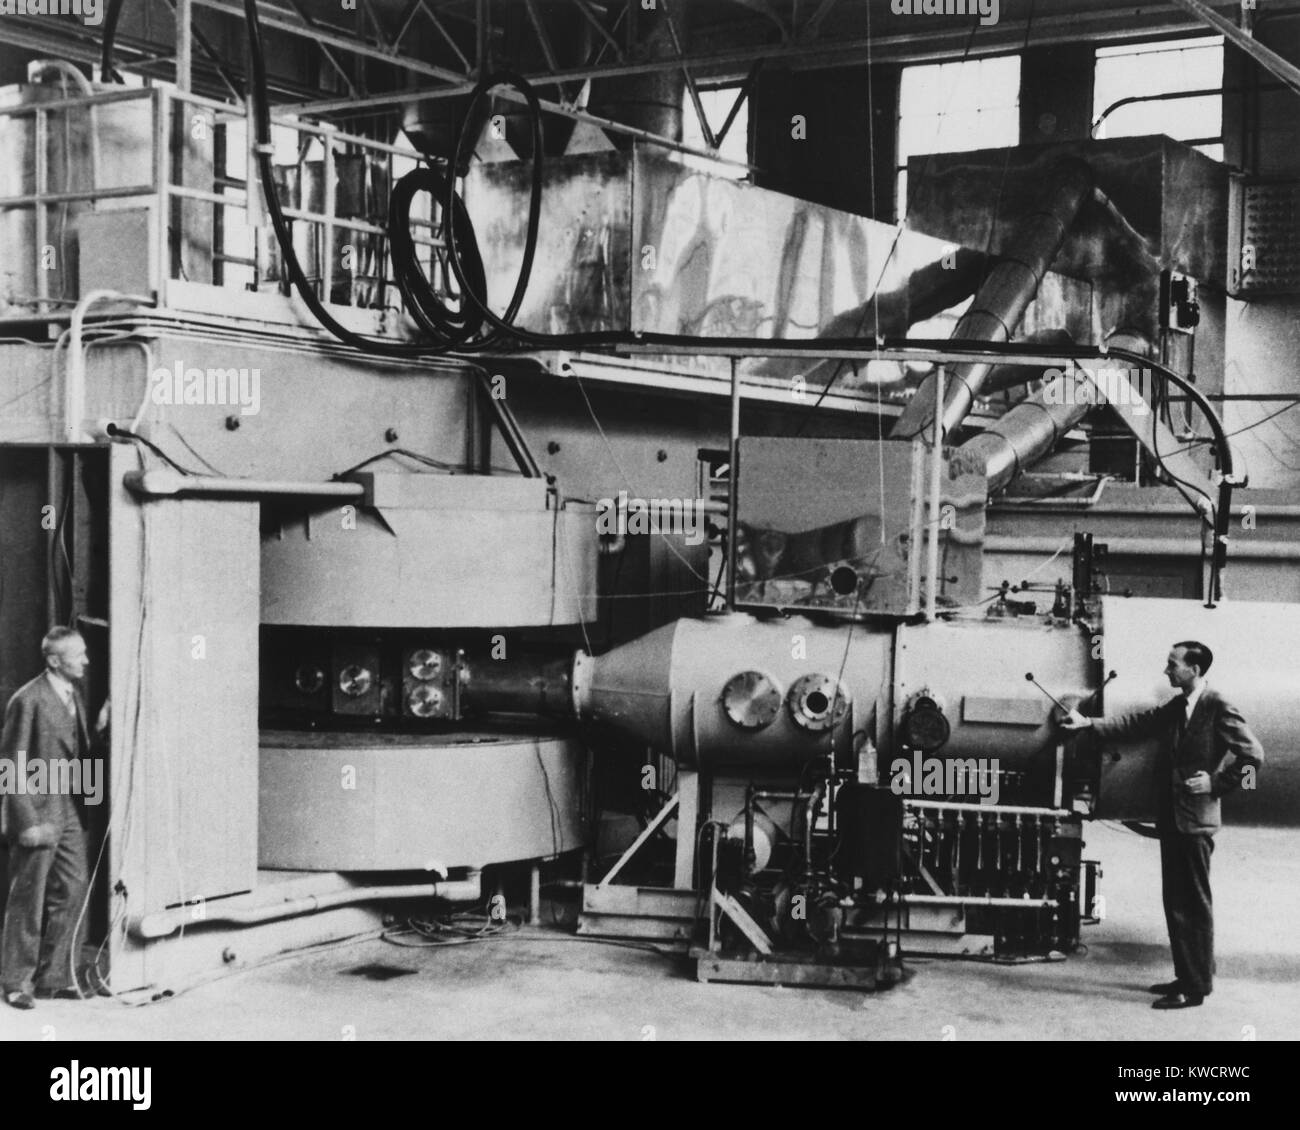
717,105
956,107
1167,67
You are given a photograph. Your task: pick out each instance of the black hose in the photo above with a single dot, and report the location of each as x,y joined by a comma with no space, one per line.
107,72
266,174
432,314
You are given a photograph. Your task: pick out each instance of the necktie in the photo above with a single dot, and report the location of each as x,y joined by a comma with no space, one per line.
1180,720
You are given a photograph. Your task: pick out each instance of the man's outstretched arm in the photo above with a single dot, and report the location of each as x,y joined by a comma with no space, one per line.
1137,724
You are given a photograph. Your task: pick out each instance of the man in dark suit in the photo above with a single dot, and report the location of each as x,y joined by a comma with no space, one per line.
44,822
1205,750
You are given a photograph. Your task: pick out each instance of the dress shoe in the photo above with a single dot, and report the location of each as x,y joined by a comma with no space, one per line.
1166,989
19,1000
1179,1000
68,993
65,994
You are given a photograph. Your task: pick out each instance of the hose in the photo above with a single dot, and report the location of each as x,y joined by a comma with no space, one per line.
428,310
107,73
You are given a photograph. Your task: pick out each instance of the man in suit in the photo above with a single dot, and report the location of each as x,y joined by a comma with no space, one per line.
1205,750
45,721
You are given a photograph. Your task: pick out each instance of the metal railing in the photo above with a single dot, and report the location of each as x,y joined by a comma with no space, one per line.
163,193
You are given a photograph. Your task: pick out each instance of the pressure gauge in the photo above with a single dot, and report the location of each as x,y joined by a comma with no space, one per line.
309,679
355,680
424,664
925,726
424,701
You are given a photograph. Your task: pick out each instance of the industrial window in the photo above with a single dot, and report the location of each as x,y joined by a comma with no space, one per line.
1149,88
717,102
956,107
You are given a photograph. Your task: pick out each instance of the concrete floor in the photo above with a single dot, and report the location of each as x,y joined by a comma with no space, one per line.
547,988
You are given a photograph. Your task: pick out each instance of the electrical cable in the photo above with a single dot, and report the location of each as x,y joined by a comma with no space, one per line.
114,430
107,72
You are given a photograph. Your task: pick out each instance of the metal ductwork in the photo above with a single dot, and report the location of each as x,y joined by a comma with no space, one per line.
1033,428
1001,302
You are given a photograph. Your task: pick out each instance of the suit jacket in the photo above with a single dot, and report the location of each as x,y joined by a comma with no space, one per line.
1216,741
38,727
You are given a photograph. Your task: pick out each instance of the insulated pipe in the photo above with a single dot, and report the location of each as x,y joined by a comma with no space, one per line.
1005,376
1031,429
528,685
74,388
166,922
161,482
1028,432
38,67
1002,300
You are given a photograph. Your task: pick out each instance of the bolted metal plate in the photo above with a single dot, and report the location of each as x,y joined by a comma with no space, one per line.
751,700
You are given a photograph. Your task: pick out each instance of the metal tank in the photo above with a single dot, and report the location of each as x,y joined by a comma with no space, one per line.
736,691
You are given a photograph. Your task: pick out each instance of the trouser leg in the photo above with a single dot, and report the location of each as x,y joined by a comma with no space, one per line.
20,941
1189,913
65,893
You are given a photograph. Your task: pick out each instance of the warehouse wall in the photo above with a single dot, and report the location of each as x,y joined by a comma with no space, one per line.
1263,335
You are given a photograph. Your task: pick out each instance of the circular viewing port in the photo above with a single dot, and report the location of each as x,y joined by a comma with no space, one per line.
817,702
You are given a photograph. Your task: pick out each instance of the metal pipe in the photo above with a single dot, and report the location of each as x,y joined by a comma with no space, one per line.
994,810
1004,377
184,12
733,485
527,685
535,894
1149,547
809,819
1269,59
1261,510
164,923
968,900
74,392
163,482
1001,302
1031,429
510,430
936,482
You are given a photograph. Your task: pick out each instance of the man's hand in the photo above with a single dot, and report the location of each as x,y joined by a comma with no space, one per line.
38,836
1198,783
1075,721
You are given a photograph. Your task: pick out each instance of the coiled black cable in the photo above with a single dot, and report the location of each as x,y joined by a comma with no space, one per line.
428,310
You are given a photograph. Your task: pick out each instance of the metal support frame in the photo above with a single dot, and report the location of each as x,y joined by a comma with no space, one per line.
733,487
660,818
808,43
936,483
162,193
184,45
